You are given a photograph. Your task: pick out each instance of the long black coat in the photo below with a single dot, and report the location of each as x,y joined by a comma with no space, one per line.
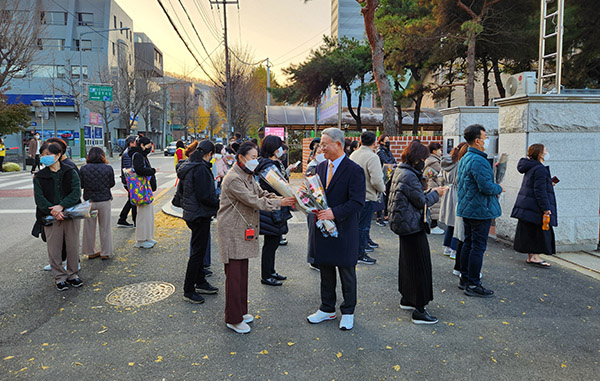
406,201
346,198
536,194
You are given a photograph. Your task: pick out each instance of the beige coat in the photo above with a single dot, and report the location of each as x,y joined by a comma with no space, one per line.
371,165
433,174
242,190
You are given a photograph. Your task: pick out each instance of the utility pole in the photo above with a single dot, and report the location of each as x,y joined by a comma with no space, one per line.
224,3
268,82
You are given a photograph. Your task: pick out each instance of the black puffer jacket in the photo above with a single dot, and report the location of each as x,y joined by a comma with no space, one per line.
407,200
536,194
96,181
385,155
141,165
275,222
199,197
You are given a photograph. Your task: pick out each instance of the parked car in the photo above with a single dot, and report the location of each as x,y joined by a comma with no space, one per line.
170,150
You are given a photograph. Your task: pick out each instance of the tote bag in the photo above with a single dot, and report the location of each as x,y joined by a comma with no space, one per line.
140,190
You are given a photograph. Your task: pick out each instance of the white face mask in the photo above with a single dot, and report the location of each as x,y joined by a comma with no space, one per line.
320,158
546,156
279,152
486,144
251,165
217,156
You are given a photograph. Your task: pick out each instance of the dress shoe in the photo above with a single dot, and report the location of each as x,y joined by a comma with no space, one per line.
320,316
423,317
347,322
95,255
271,282
278,277
104,257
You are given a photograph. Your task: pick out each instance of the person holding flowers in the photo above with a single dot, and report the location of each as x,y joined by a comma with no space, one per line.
238,229
345,192
273,224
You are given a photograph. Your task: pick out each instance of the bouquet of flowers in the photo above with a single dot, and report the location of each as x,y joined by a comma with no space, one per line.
82,210
277,181
311,198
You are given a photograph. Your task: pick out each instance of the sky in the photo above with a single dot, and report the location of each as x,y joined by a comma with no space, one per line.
282,30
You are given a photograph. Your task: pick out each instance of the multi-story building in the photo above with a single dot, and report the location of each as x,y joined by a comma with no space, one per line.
149,71
74,30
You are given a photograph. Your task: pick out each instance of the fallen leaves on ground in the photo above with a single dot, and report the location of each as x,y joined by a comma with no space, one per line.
339,354
264,352
397,368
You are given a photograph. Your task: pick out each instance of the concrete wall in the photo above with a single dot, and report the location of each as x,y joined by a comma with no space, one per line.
569,127
456,119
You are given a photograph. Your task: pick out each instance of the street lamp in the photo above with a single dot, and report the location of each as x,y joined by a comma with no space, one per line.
81,108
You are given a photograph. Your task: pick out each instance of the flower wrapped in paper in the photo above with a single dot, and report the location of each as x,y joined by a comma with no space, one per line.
277,181
311,198
82,210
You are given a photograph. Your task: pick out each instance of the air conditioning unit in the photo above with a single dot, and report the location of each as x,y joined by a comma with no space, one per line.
521,83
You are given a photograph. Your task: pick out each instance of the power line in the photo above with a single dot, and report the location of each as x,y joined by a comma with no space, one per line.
197,34
212,28
184,28
185,43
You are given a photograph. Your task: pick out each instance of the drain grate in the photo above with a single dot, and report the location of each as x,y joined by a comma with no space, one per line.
140,294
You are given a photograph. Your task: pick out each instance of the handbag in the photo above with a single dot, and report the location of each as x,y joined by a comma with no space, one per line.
427,219
140,190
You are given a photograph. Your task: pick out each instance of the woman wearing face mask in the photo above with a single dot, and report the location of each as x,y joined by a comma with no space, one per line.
200,205
536,201
144,227
388,162
238,229
407,203
318,158
56,188
273,224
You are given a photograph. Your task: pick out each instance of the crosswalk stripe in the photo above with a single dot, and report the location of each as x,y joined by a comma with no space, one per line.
4,185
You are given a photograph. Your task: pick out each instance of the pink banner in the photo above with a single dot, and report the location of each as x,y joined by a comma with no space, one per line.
277,131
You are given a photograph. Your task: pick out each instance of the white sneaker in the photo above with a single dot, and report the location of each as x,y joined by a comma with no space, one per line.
456,272
437,230
407,308
447,250
347,322
152,241
453,254
248,318
239,327
144,245
320,316
47,268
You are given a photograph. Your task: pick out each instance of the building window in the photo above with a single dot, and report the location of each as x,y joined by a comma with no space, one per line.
86,45
121,26
114,49
85,18
75,71
115,22
51,43
130,59
20,74
54,18
49,71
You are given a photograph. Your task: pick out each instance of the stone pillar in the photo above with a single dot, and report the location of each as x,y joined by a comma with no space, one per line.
569,127
456,119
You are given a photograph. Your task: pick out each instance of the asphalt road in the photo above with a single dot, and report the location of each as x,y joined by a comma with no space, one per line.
542,324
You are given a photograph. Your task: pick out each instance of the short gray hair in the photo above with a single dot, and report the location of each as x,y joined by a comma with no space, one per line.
335,134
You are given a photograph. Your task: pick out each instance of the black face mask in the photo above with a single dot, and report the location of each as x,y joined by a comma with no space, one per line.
147,151
419,166
387,145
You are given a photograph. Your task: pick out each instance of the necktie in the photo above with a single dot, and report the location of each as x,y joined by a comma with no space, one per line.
329,175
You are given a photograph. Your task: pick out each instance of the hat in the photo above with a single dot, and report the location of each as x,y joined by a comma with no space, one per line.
206,146
143,140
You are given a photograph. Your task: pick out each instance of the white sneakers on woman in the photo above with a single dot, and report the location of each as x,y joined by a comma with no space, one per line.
242,327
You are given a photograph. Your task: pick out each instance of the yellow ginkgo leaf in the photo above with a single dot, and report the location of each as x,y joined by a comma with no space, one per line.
131,364
45,367
505,322
205,357
388,347
158,359
264,352
563,365
233,353
397,368
339,354
290,343
9,357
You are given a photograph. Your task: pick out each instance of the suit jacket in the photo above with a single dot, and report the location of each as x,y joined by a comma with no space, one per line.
346,198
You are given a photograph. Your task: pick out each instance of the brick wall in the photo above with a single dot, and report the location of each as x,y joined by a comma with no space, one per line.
397,145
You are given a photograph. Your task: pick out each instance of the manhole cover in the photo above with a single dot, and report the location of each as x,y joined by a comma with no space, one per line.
140,294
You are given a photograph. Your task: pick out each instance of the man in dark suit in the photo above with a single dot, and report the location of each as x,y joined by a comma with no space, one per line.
344,183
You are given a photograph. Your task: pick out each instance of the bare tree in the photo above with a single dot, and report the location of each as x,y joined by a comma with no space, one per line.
247,90
20,29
